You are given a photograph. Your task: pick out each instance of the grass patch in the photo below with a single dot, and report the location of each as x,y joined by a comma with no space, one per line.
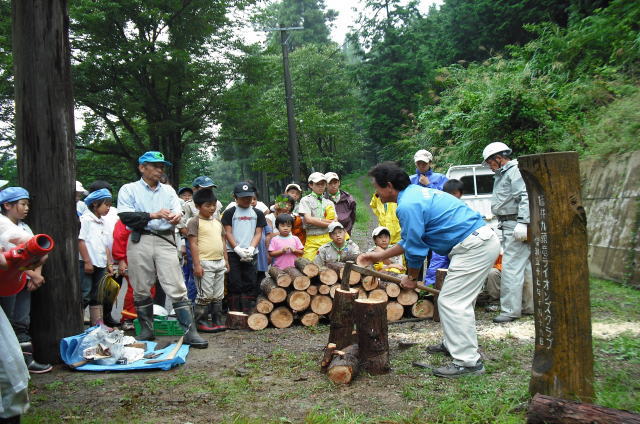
612,301
353,183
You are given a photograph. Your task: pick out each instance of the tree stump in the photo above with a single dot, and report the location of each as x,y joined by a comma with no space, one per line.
274,293
263,305
371,325
362,293
422,309
257,321
321,305
328,276
441,274
298,300
395,311
309,319
280,277
281,317
307,267
344,365
547,409
299,280
237,320
392,289
563,358
407,297
341,325
378,294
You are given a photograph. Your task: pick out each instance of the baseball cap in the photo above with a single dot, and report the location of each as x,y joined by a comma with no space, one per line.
11,194
204,181
103,193
244,189
329,176
423,155
334,225
316,177
183,189
79,187
376,231
153,157
293,185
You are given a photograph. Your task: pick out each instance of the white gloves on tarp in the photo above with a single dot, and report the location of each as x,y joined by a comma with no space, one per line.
520,231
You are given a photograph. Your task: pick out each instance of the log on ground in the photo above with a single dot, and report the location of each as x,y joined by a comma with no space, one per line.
263,305
274,293
371,325
299,280
321,305
298,300
344,366
547,409
281,278
423,308
281,317
395,311
257,321
309,319
327,356
237,320
307,267
341,326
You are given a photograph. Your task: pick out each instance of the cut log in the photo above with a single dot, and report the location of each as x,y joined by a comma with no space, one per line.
312,290
307,267
299,280
341,326
371,324
332,291
324,289
378,294
345,257
422,309
281,278
441,274
257,321
327,356
392,289
263,305
328,276
395,311
369,283
321,305
237,320
344,366
407,297
298,300
547,409
281,317
309,319
274,293
338,267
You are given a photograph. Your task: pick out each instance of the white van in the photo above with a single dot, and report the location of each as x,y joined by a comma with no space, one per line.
478,185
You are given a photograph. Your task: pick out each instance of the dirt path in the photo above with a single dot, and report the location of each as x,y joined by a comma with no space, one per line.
362,236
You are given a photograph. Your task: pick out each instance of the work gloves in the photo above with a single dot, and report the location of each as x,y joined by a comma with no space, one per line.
520,232
245,253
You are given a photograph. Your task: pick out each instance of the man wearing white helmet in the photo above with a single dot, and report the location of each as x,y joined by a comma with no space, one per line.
510,204
424,175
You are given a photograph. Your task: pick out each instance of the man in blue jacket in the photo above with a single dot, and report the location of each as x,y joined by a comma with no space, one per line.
432,219
424,175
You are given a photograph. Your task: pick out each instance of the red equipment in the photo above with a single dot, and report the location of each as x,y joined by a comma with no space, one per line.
20,257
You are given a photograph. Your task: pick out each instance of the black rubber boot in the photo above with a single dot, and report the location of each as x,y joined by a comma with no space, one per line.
200,314
217,316
144,308
185,318
106,315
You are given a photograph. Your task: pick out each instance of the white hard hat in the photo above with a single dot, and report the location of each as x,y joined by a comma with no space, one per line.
493,148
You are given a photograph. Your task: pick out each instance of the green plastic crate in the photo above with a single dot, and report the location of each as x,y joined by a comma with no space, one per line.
162,326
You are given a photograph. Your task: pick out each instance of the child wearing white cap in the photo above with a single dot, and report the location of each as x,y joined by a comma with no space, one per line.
317,213
381,238
337,247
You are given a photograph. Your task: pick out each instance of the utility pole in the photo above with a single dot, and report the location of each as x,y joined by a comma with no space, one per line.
288,89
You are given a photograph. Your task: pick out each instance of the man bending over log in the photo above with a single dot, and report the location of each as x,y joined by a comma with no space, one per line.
432,219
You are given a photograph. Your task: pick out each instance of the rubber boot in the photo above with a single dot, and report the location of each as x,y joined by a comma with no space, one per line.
217,316
144,309
106,315
201,313
95,315
185,318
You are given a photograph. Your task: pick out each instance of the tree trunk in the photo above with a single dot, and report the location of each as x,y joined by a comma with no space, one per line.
344,365
281,278
321,305
546,409
441,274
281,317
298,300
328,276
300,281
237,320
341,325
257,321
395,311
307,267
274,293
422,309
563,357
46,163
263,305
371,325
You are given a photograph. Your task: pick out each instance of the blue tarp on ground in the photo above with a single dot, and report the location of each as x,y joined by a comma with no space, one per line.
68,347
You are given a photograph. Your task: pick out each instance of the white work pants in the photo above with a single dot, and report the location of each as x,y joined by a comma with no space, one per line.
515,264
471,261
155,258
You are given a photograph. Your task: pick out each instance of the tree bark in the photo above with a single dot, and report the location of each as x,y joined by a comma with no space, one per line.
547,409
371,325
281,278
274,293
344,365
46,163
299,280
281,317
298,300
307,267
563,356
237,320
441,274
257,321
422,309
341,325
321,305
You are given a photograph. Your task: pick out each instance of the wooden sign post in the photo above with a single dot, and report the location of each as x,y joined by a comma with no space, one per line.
563,359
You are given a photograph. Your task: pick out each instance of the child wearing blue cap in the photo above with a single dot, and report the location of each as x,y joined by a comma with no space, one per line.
14,202
93,244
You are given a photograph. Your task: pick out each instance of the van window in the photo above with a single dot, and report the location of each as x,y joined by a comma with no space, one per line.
484,182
